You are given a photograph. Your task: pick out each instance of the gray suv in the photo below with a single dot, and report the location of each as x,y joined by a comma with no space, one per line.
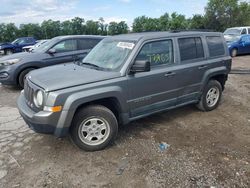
62,49
122,79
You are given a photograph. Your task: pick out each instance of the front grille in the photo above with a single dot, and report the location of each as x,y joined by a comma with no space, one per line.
29,91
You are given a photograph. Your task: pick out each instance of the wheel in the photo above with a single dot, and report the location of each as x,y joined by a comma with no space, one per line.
93,128
8,52
211,96
22,76
234,52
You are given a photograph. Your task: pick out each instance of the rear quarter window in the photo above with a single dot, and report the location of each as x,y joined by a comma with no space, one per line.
215,46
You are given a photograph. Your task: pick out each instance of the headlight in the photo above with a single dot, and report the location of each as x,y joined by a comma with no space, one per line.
10,62
38,98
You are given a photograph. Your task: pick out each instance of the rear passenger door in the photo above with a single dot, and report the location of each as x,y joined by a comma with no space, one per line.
157,89
193,67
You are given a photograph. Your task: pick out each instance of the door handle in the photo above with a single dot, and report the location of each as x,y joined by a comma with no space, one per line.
202,67
168,74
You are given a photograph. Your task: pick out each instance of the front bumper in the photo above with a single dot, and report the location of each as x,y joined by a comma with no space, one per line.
40,122
7,76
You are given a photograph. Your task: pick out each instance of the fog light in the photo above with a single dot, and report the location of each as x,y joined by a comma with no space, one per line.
4,75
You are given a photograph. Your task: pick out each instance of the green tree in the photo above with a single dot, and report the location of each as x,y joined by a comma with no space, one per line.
197,22
178,21
92,27
51,28
221,14
115,28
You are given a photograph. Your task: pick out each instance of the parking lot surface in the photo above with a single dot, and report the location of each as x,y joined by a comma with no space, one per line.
200,149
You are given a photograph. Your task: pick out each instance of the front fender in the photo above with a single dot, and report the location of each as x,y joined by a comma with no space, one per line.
80,98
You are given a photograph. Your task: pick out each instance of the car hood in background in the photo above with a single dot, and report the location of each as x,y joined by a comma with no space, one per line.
68,75
29,56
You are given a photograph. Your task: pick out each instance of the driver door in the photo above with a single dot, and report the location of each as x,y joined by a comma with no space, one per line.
64,52
157,89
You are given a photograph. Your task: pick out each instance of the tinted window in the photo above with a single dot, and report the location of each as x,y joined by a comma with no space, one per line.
85,44
248,30
190,48
65,46
244,31
215,46
157,53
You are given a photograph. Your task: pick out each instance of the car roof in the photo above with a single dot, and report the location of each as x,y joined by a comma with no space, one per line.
80,36
161,34
239,27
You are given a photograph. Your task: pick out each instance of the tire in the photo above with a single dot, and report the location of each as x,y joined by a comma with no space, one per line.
92,122
22,75
8,52
234,52
211,96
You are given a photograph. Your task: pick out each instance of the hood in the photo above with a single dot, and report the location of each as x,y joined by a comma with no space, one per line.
68,75
5,43
29,56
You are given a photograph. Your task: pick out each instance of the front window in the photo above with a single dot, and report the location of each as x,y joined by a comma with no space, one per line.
66,46
232,32
109,54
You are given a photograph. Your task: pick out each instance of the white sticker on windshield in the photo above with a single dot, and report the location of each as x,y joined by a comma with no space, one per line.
127,45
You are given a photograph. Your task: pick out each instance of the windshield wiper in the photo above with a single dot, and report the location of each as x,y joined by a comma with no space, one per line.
90,64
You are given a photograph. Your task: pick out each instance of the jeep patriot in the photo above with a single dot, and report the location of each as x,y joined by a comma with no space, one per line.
124,78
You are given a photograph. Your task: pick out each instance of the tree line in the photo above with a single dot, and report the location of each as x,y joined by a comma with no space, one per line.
219,15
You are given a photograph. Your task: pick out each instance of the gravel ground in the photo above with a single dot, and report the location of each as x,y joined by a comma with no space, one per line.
203,149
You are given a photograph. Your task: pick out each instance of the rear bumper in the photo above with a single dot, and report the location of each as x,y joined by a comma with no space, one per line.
41,122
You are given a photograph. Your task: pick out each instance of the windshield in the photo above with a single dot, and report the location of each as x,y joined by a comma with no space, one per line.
109,54
45,46
16,41
232,32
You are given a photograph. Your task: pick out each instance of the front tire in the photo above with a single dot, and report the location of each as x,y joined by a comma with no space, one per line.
211,96
94,128
22,76
8,52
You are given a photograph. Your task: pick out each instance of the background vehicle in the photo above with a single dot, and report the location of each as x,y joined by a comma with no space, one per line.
239,45
17,45
125,78
230,33
30,48
63,49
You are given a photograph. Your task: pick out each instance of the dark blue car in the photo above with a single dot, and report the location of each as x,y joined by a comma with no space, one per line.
239,45
17,45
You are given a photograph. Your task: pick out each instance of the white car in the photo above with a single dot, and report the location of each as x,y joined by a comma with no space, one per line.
30,48
236,31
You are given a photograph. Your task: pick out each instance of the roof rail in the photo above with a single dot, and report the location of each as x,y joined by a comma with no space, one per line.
190,30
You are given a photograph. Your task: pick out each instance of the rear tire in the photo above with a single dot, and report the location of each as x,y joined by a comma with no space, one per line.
211,96
93,128
234,52
22,76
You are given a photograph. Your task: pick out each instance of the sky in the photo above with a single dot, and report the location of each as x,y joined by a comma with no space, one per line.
35,11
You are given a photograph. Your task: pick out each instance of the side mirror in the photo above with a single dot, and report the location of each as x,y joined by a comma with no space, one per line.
140,66
52,51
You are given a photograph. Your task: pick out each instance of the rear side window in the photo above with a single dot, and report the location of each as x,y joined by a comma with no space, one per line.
85,44
190,48
249,30
215,46
157,53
